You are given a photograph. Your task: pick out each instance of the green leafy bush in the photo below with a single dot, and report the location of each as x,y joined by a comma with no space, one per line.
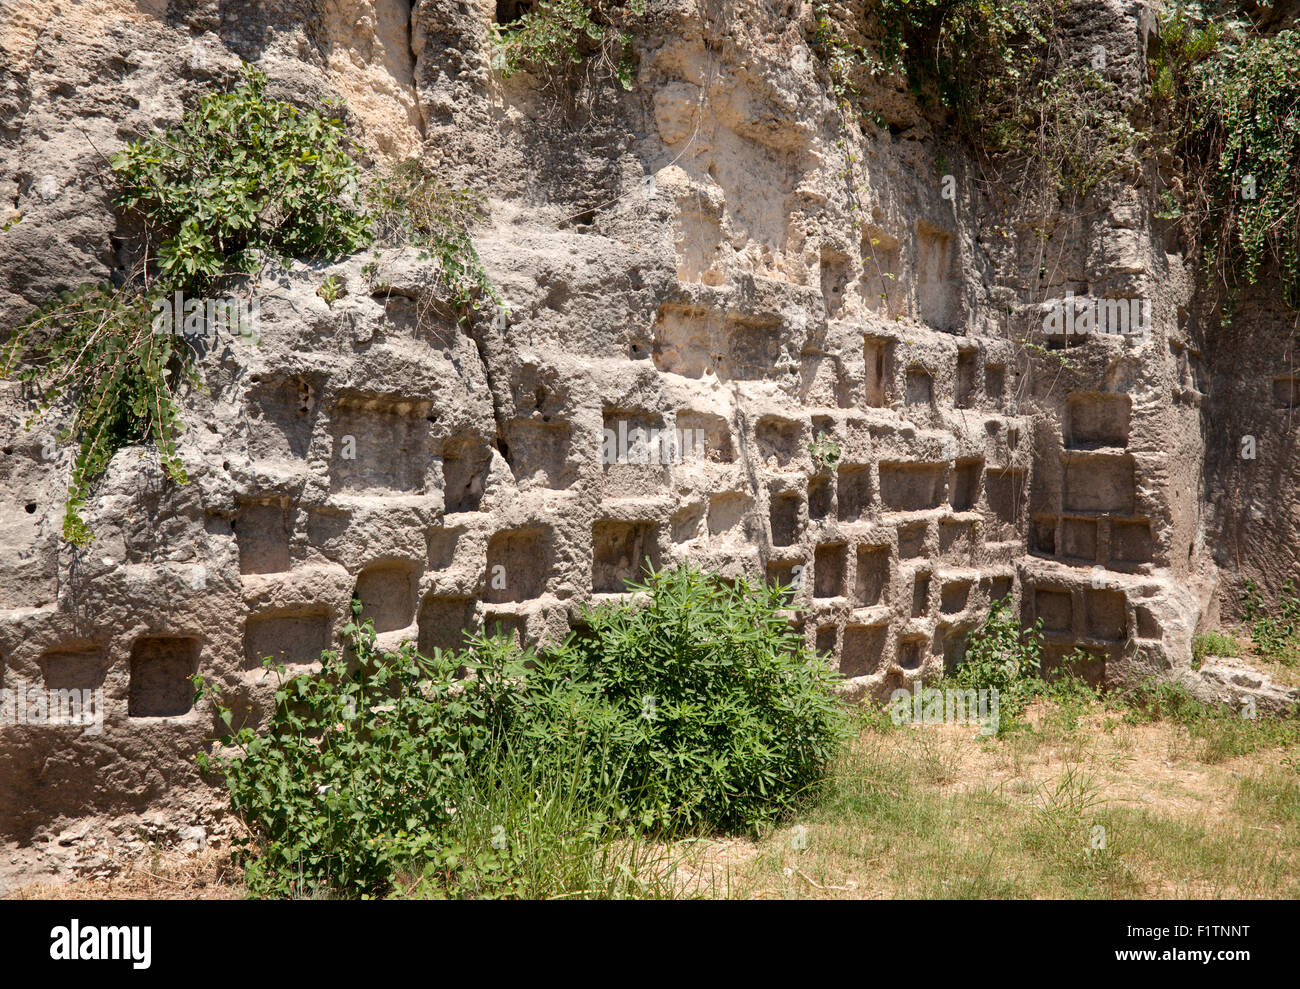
556,33
244,178
733,718
695,708
1275,630
1002,655
361,764
1227,101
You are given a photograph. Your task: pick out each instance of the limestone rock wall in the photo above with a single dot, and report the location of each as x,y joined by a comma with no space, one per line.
698,257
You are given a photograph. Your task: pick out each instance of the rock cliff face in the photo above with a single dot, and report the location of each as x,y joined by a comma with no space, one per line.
713,260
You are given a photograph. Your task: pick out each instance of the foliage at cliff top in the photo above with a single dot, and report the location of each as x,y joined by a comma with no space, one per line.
556,34
1229,100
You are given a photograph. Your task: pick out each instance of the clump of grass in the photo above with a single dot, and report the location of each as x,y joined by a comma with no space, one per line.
521,829
1068,828
1212,644
1218,733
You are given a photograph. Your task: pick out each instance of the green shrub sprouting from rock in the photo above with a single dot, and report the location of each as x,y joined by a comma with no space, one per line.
557,33
1002,655
696,707
1005,72
96,345
411,205
1275,629
243,181
1230,122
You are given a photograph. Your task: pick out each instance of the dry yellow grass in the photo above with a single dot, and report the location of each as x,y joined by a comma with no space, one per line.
163,876
937,811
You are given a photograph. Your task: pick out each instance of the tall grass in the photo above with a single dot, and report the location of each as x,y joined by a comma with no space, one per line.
531,830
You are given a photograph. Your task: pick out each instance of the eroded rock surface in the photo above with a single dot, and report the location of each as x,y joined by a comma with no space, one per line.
688,258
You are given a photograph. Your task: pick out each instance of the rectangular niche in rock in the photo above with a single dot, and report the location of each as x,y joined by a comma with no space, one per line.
161,667
938,285
262,530
830,564
387,593
995,382
1056,608
704,436
1005,491
1130,542
78,665
921,595
281,416
957,537
636,452
826,637
380,445
920,386
1079,539
517,565
854,492
539,453
821,495
1107,615
1095,420
620,551
465,463
444,620
785,574
289,639
1096,482
779,442
953,597
878,353
966,484
911,540
872,584
728,514
499,625
967,361
784,517
911,652
912,487
862,650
